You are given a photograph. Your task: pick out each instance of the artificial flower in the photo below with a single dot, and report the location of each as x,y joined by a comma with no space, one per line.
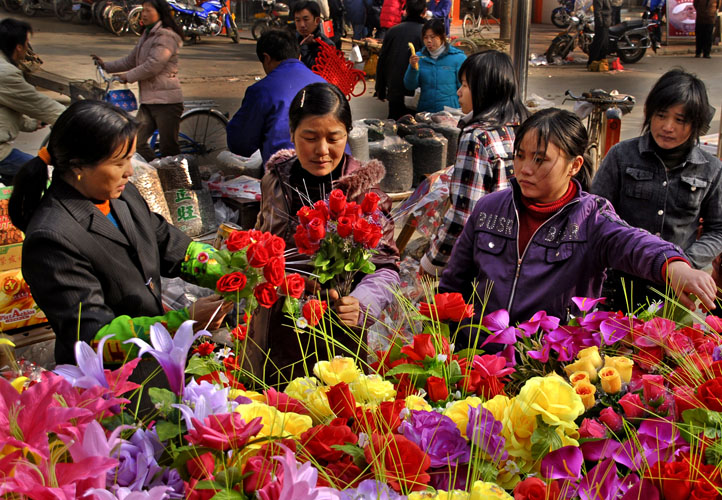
611,380
339,369
438,436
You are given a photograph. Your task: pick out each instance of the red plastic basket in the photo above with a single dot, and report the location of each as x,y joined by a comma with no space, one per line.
332,66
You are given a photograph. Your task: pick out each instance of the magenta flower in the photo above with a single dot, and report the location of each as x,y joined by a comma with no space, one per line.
597,449
564,463
654,332
498,324
601,483
283,402
439,436
585,304
492,365
656,440
225,431
539,320
616,328
590,428
299,481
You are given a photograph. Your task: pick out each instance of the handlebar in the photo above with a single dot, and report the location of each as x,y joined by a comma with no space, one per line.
106,77
599,97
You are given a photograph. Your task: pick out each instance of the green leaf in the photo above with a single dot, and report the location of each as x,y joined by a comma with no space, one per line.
123,418
700,421
202,366
162,399
544,439
168,430
407,368
469,353
368,267
229,476
228,495
356,452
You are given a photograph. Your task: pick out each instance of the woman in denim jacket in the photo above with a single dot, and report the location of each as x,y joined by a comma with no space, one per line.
663,181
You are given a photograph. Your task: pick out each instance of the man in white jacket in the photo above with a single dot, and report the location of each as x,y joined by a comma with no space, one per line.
22,108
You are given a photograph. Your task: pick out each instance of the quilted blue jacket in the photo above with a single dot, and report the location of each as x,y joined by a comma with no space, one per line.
438,79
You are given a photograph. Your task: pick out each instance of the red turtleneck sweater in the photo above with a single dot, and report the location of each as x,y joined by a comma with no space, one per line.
532,215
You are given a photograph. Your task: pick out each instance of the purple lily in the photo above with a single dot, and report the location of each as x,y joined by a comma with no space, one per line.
202,400
615,329
156,493
601,483
585,304
539,320
90,371
171,352
594,450
498,324
564,463
658,439
484,431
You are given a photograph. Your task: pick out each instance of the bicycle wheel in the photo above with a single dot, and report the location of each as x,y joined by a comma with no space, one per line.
63,9
467,27
465,44
134,22
97,11
117,22
231,28
203,133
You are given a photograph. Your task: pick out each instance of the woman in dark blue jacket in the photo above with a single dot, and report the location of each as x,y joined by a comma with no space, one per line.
435,69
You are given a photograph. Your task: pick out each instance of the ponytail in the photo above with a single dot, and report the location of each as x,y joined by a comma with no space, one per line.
28,189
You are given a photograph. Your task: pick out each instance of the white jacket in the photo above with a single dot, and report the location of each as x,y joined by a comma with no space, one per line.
21,106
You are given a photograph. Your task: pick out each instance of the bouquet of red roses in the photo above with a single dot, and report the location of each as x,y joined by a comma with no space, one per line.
340,235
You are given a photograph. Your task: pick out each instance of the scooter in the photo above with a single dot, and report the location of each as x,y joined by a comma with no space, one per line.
274,15
207,19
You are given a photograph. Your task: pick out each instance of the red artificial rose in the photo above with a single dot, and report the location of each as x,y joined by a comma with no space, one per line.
437,390
257,255
293,285
611,419
237,240
341,474
275,270
353,210
421,348
303,243
230,363
318,441
232,282
283,402
239,333
316,229
259,471
304,215
590,428
275,245
362,231
488,387
684,399
192,492
714,323
675,480
375,236
405,387
677,343
204,349
652,387
265,294
345,226
533,488
337,202
255,235
633,406
384,419
321,208
649,357
313,311
710,394
341,401
703,490
399,460
202,466
370,202
215,378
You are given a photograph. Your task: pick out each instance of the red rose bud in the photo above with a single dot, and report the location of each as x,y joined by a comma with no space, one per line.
239,333
303,243
293,286
275,245
422,347
202,466
362,232
709,394
533,488
341,401
632,405
313,311
370,202
322,208
304,215
611,419
232,282
652,387
204,349
353,210
265,294
703,490
437,390
675,480
590,428
375,237
345,226
337,202
237,240
257,255
316,229
275,270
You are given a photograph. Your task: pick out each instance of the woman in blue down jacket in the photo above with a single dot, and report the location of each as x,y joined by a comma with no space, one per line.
435,69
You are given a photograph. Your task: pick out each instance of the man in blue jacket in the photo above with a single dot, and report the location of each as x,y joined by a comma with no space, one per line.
262,121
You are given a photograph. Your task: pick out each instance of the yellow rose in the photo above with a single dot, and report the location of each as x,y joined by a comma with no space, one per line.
294,424
611,380
300,387
275,423
579,378
498,405
337,370
459,412
622,364
592,354
488,491
317,404
586,392
372,389
252,395
417,403
585,365
517,431
552,398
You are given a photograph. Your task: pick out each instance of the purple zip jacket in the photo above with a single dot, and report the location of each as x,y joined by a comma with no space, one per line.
566,257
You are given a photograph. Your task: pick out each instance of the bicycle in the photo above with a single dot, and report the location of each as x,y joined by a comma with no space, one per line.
478,18
604,120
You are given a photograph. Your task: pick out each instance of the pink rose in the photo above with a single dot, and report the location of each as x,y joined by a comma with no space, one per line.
652,387
590,428
633,406
611,419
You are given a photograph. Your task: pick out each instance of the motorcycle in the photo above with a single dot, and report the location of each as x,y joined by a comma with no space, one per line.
274,15
629,40
32,7
207,19
561,16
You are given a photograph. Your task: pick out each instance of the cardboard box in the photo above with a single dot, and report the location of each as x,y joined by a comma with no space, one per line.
17,307
11,256
8,233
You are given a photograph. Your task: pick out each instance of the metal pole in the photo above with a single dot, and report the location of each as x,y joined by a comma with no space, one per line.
521,21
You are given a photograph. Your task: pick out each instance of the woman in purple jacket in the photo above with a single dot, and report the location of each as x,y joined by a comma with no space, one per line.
545,240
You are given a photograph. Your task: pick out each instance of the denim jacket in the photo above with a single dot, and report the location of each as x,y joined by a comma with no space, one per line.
668,203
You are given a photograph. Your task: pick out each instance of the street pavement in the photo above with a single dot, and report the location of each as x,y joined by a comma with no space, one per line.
217,69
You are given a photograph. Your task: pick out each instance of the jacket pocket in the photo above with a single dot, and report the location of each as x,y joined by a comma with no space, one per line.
691,191
638,183
560,254
490,243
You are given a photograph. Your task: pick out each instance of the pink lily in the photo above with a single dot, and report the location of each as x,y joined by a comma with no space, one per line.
299,481
539,320
586,304
498,324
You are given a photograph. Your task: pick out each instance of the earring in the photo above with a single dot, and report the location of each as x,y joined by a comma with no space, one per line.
78,177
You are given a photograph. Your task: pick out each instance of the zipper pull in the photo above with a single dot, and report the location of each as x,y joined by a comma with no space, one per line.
518,268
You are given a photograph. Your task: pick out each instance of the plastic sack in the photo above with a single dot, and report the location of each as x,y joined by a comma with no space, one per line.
242,188
146,179
224,213
427,204
412,102
395,153
229,164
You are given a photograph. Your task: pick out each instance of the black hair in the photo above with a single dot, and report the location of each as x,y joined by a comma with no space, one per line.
414,8
318,99
437,26
494,90
279,44
85,134
308,5
679,87
166,16
12,34
566,131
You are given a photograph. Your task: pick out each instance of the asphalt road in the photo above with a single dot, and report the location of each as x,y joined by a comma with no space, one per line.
216,68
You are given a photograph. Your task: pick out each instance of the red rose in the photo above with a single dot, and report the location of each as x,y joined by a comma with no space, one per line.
313,311
275,245
684,399
260,471
265,294
399,460
341,474
232,282
239,333
652,387
337,202
370,202
590,428
316,229
303,243
405,387
633,406
202,466
318,441
353,210
421,348
533,488
385,419
675,480
293,285
703,490
362,231
322,208
452,306
257,255
710,394
237,240
275,270
345,226
255,235
488,387
231,364
611,419
341,401
204,349
649,357
436,388
304,215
